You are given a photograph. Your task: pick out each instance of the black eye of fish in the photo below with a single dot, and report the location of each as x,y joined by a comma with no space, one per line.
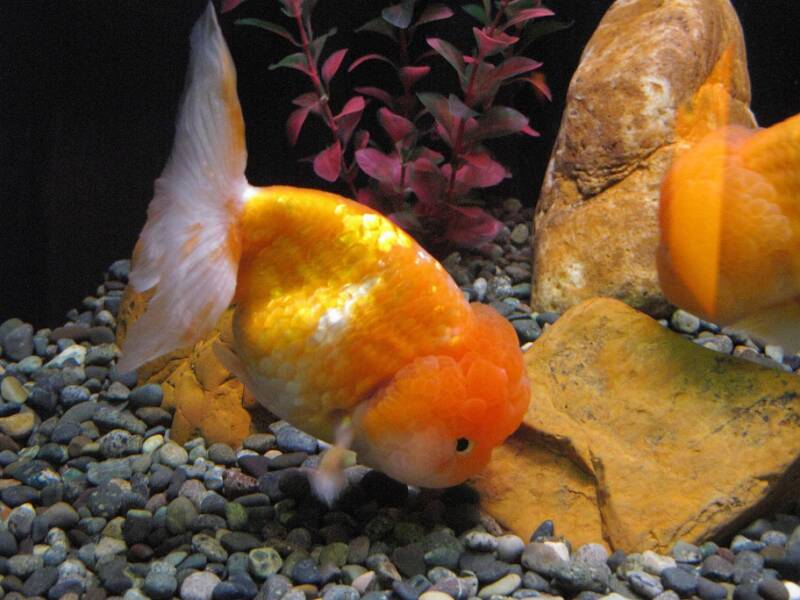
463,444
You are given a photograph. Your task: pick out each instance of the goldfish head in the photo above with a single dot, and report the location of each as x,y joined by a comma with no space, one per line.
437,421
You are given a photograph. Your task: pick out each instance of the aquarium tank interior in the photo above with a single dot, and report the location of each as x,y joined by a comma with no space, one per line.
400,299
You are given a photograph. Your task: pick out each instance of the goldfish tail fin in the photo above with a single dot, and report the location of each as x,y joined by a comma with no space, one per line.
779,325
189,249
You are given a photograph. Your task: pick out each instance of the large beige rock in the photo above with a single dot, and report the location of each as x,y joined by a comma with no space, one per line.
205,398
639,437
656,75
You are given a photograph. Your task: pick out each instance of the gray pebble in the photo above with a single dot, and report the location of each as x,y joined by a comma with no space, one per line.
685,322
645,584
291,439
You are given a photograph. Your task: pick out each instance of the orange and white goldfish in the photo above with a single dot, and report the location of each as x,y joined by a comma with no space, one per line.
730,231
344,326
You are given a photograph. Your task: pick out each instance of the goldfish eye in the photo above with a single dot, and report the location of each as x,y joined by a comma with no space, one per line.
463,445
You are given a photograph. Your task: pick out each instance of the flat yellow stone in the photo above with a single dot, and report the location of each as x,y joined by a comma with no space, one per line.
206,399
639,437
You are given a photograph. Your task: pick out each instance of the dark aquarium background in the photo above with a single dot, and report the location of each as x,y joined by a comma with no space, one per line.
88,95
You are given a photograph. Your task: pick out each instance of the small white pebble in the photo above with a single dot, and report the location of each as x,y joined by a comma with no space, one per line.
654,563
363,581
774,352
560,549
793,589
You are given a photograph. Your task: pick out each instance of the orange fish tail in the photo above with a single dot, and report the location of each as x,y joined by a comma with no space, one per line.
190,246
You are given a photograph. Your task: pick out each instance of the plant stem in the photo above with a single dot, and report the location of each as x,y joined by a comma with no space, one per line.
477,58
324,95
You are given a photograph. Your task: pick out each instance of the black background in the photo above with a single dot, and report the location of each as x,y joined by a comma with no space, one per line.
89,91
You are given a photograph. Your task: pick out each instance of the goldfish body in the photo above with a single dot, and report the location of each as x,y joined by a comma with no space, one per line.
342,321
730,231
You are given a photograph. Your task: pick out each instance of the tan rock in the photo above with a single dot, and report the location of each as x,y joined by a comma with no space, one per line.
206,399
596,220
641,438
19,425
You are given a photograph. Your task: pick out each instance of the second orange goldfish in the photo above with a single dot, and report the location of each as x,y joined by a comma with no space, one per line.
730,231
344,326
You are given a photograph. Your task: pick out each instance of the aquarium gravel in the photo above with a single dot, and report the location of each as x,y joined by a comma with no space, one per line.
102,504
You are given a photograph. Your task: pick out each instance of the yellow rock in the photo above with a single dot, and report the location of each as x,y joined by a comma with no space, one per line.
655,76
639,437
206,399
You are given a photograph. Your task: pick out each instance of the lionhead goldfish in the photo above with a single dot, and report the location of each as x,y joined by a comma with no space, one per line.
730,231
343,325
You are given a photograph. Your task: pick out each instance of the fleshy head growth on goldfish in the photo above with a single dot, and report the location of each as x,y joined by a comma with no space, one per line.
344,325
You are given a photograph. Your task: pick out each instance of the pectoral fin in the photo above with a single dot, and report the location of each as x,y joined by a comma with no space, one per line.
328,480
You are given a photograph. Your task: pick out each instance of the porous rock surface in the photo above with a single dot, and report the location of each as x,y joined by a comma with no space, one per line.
596,229
639,437
207,400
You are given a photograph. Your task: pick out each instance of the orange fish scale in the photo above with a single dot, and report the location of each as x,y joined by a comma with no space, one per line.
342,294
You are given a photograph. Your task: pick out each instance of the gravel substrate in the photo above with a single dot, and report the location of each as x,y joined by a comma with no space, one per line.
97,502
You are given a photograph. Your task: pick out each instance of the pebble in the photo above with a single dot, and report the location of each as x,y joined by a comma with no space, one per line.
12,391
645,584
684,322
291,439
173,455
221,454
505,586
19,425
122,511
199,586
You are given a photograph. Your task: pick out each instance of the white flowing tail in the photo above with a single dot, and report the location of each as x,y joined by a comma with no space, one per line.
190,246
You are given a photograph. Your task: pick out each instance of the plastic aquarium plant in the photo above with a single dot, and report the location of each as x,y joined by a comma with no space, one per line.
434,154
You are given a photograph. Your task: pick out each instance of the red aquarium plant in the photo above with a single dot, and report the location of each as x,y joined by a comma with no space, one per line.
434,154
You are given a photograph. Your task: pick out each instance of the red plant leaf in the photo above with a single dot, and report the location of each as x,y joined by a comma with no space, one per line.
498,121
458,109
410,75
539,83
376,93
367,57
511,67
476,11
361,139
488,45
396,126
295,123
450,53
383,167
429,155
433,12
438,106
229,5
378,25
471,226
480,171
271,27
328,163
307,100
399,15
332,64
527,130
347,120
528,14
428,184
292,61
